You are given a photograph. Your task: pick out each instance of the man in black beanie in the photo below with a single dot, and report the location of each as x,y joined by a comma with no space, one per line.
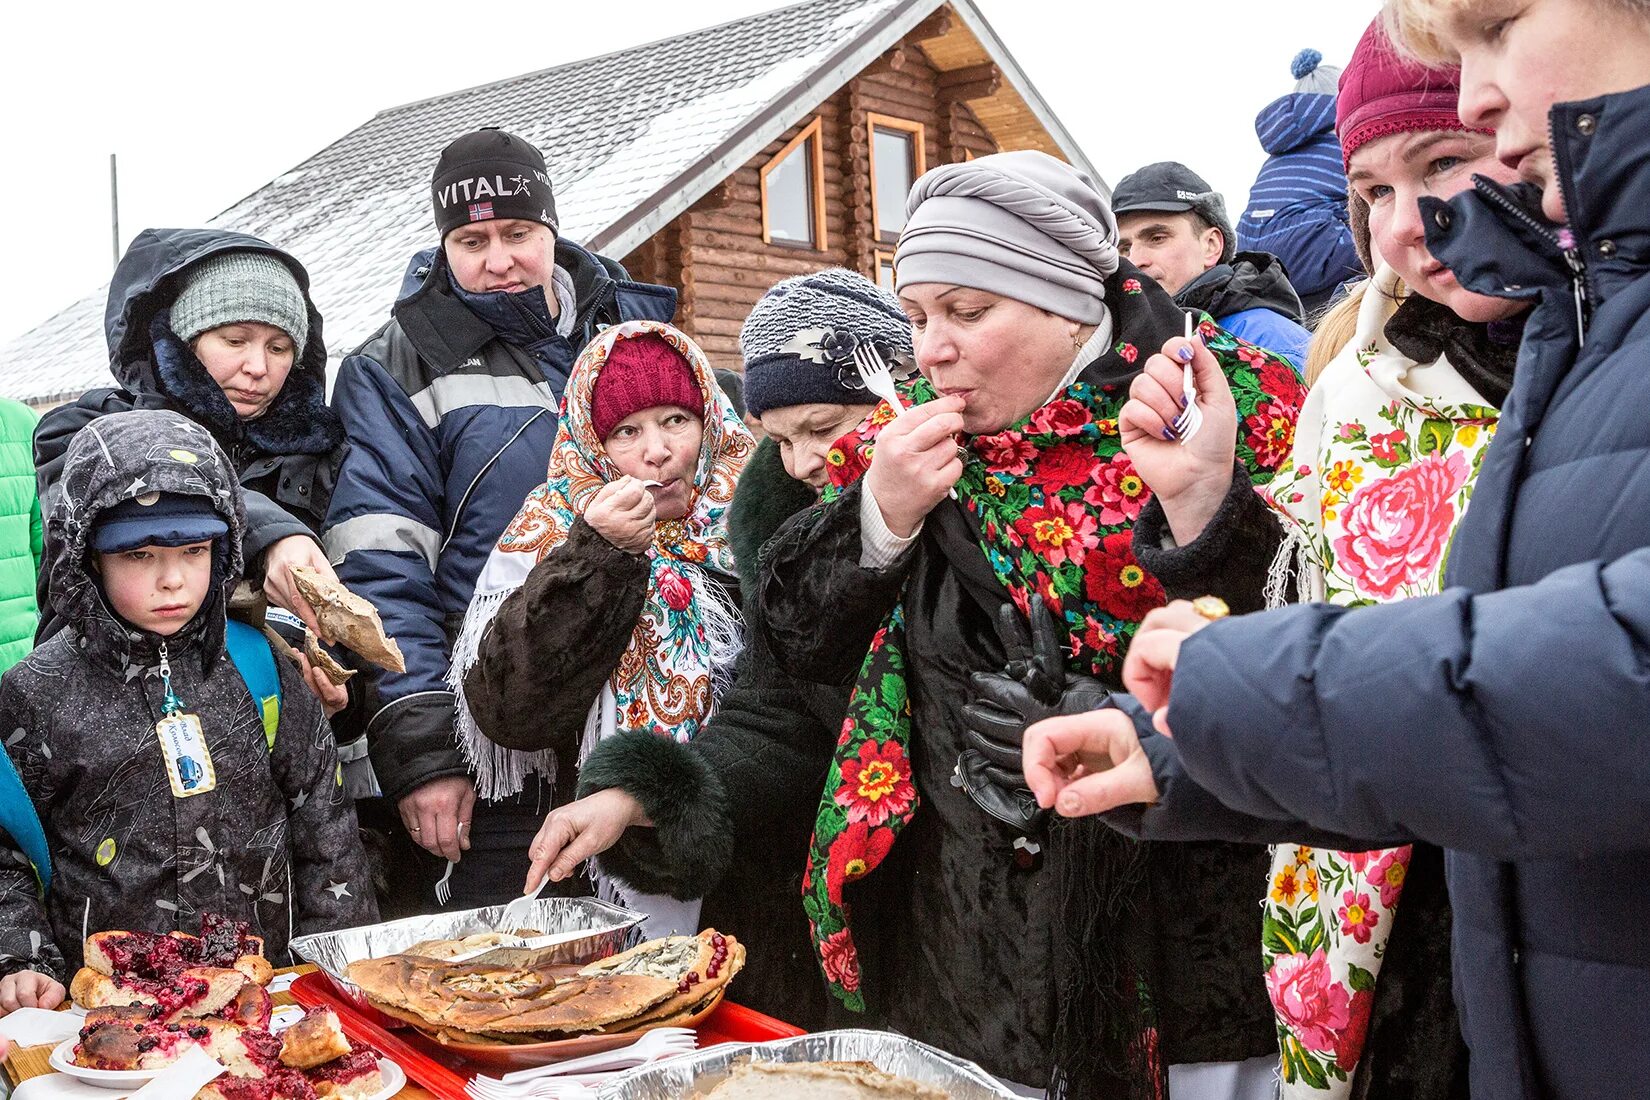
450,412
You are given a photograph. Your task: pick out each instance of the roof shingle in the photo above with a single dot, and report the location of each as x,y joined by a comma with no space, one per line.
616,130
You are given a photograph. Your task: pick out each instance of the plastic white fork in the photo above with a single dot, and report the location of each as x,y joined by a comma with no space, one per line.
443,891
880,381
521,908
571,1079
658,1043
876,375
544,1088
1190,419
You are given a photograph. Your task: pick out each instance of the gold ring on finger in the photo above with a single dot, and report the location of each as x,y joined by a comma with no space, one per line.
1212,608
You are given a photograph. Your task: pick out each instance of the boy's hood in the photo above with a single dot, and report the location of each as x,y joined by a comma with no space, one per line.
114,459
1293,120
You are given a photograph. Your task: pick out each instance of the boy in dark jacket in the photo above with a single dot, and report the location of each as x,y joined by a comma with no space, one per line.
1297,207
166,791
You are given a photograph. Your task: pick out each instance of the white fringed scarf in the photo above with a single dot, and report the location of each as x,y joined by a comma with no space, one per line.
688,637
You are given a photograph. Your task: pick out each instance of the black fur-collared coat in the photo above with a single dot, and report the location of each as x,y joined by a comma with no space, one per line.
734,808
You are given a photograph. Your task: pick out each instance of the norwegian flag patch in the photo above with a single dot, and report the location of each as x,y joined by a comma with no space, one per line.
481,211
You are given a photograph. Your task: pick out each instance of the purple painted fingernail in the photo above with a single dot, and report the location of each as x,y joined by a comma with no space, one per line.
1184,354
1183,401
1168,433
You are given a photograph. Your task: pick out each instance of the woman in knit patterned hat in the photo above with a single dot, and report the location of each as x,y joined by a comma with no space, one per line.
220,327
727,817
608,603
1027,327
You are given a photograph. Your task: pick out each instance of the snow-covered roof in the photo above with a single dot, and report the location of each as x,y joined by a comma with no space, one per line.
632,139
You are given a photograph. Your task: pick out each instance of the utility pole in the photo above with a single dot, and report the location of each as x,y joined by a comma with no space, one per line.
114,209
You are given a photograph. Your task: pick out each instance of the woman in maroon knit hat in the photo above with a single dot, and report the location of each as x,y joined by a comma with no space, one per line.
1407,374
610,601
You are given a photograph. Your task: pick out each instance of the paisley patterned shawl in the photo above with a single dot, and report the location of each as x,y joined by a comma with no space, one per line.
1055,498
687,637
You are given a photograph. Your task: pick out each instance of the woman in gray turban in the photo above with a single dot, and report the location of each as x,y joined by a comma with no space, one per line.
972,570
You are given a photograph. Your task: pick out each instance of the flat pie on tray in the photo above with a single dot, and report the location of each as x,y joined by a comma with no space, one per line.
657,983
818,1081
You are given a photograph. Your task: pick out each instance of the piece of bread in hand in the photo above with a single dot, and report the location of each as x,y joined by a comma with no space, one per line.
348,620
313,1040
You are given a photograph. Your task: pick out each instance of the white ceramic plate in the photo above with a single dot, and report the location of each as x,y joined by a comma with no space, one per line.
395,1079
62,1060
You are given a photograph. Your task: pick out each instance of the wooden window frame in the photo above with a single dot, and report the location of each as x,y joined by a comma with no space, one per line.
878,257
919,140
816,170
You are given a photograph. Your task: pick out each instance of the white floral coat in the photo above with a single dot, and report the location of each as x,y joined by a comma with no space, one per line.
1386,454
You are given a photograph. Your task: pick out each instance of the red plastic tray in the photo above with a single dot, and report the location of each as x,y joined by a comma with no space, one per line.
446,1077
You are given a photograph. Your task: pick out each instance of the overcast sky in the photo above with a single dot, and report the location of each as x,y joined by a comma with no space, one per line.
205,102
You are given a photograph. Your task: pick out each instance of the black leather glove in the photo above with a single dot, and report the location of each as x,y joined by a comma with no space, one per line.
1033,686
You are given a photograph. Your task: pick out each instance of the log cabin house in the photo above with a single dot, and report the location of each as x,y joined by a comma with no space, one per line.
717,162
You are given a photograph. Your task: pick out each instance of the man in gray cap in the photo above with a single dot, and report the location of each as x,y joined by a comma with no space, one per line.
1173,226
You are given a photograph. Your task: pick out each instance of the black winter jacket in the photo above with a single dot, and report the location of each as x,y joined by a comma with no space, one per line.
275,844
286,459
1504,720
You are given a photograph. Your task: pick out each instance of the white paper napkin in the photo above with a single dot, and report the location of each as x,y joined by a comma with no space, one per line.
182,1078
29,1027
284,1017
59,1086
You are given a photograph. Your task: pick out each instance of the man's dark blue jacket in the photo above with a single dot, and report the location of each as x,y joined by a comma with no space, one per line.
450,412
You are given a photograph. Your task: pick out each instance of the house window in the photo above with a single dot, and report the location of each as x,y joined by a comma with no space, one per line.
885,270
897,159
793,192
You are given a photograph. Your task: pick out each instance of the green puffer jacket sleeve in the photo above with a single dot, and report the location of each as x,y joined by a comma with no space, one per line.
20,532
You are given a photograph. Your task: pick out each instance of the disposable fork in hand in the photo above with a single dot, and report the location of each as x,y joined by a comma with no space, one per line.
880,381
1191,417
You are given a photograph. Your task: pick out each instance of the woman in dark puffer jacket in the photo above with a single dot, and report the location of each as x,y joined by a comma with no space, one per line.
219,326
1503,719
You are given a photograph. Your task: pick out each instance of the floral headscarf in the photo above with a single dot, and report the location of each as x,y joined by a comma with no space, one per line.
687,637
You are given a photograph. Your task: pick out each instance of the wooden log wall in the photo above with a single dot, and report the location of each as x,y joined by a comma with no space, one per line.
714,253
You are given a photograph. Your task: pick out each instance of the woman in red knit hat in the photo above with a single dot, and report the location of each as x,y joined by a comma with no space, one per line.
610,601
1407,374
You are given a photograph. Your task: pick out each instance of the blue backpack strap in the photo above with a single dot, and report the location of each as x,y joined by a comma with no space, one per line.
18,819
255,661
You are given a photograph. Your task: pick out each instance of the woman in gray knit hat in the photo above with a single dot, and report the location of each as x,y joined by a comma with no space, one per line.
219,326
971,570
